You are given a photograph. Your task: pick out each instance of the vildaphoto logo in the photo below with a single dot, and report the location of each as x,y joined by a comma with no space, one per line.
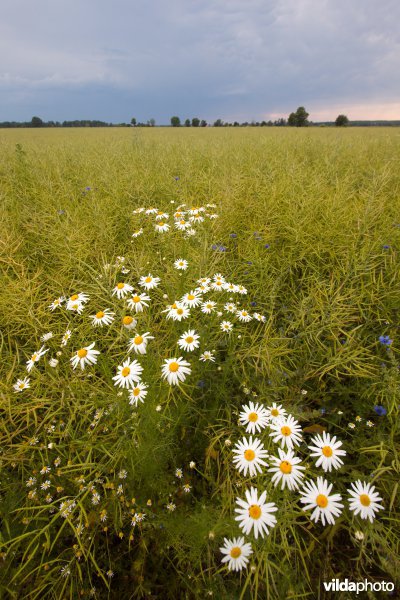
345,585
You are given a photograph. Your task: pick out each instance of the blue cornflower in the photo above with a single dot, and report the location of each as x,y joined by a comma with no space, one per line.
380,410
385,340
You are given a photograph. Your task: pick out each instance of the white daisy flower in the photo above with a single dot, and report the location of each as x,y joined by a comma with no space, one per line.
236,553
138,393
129,322
259,317
35,358
138,302
66,337
286,431
230,307
21,384
160,216
203,288
189,340
161,227
244,316
102,317
75,306
254,512
254,416
138,232
328,452
275,412
182,225
175,370
137,211
286,469
46,336
229,287
317,496
192,299
226,326
122,289
139,342
207,355
151,211
218,277
217,285
81,297
84,356
56,303
249,455
364,500
177,312
128,374
181,264
241,289
208,307
204,280
149,282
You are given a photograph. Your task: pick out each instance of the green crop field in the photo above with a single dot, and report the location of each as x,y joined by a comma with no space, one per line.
162,369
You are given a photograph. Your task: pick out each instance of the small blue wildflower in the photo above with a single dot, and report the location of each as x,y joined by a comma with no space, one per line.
88,188
386,246
380,410
233,235
253,303
256,234
176,178
385,340
249,262
322,411
214,247
267,246
246,272
201,384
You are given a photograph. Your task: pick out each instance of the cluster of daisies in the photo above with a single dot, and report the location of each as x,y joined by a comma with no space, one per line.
253,512
137,300
183,219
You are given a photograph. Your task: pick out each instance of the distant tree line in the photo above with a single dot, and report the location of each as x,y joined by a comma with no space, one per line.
295,119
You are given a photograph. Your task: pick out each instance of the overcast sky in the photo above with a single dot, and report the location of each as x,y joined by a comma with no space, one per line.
230,59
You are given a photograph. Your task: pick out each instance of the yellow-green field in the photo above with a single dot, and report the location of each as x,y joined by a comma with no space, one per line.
111,493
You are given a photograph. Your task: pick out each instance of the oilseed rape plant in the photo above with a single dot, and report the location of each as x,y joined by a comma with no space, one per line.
200,371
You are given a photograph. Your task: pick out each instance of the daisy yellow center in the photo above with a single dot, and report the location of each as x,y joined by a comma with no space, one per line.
100,314
327,451
209,305
127,320
180,311
34,357
190,297
235,552
244,313
249,454
21,386
255,511
174,305
160,213
181,263
136,299
161,224
136,392
322,501
285,430
75,306
173,367
285,467
189,339
82,353
148,279
218,283
125,371
182,222
74,297
275,412
365,500
120,286
253,417
138,340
